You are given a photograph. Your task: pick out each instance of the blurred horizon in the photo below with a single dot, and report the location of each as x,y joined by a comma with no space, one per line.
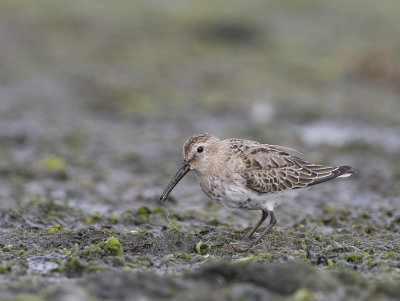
305,60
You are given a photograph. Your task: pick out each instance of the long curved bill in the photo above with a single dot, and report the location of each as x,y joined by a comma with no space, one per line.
175,180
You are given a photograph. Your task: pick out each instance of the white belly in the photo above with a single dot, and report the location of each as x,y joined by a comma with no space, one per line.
232,195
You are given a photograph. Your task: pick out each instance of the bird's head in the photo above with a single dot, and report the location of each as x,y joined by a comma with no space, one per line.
199,152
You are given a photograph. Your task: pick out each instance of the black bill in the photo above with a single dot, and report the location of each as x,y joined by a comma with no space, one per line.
175,180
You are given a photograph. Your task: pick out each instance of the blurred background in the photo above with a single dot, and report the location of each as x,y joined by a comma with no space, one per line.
98,97
103,94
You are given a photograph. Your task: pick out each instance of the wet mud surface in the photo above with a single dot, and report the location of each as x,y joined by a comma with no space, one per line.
97,100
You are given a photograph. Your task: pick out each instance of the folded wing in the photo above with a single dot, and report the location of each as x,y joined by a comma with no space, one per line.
267,168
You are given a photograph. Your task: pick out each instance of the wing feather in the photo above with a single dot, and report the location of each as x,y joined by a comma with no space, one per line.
267,168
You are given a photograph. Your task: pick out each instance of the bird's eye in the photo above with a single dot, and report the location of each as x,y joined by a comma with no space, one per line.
200,149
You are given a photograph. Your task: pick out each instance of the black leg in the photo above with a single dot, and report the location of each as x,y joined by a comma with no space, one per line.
272,222
262,219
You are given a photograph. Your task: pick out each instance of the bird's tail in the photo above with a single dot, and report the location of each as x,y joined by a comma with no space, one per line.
339,172
345,171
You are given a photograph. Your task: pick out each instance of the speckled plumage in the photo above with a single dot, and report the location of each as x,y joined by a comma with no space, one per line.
249,175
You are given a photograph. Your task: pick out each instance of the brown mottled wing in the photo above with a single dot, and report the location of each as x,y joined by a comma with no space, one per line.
268,169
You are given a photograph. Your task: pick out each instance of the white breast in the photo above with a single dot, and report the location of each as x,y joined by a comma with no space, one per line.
237,195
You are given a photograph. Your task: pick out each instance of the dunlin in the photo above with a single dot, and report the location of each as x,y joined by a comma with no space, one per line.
250,175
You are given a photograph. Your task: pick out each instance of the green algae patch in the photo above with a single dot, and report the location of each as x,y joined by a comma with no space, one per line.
302,294
56,228
5,268
112,219
246,259
144,210
120,260
260,258
368,230
73,266
112,246
389,255
158,210
53,163
183,256
201,248
140,262
92,258
352,257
